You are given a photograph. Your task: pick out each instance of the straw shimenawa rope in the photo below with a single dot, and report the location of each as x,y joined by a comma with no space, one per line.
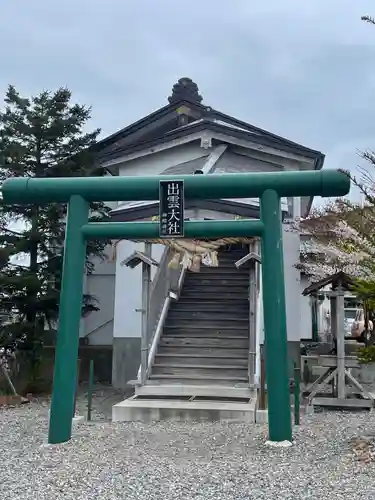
191,253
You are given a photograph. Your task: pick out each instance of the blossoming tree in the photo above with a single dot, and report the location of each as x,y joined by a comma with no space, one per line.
340,236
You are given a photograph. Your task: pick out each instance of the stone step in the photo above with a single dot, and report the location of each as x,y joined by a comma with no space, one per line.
191,350
151,410
240,329
235,255
228,342
196,382
229,261
233,250
195,328
217,281
222,270
206,306
195,388
186,378
189,288
201,360
218,315
235,275
231,371
198,298
213,294
212,321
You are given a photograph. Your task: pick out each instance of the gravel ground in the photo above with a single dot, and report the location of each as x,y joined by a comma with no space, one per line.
332,458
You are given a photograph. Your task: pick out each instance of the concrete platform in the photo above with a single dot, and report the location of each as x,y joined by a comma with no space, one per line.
348,403
173,390
151,410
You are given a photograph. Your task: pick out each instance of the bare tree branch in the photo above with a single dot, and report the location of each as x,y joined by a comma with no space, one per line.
368,19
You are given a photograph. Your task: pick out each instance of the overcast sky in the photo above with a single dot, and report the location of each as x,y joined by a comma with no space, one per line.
304,70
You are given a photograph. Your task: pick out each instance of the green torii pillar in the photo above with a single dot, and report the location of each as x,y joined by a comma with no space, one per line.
79,192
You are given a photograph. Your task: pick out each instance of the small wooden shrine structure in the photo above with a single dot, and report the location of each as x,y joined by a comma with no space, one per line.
337,366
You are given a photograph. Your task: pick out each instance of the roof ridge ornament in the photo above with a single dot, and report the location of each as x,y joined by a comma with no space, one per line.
185,90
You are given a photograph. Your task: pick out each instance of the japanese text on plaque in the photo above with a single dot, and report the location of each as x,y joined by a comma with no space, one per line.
171,209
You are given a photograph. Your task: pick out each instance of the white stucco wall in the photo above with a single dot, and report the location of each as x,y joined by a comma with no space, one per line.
156,163
128,290
292,287
291,249
99,324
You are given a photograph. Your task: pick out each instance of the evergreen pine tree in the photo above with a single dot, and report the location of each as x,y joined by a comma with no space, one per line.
39,137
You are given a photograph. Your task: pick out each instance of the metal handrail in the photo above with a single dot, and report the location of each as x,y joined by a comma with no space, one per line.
157,334
181,280
254,316
171,295
162,318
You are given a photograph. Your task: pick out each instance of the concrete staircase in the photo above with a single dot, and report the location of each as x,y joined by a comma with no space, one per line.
202,358
206,334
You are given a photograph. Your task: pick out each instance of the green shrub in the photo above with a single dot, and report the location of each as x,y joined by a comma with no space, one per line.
366,354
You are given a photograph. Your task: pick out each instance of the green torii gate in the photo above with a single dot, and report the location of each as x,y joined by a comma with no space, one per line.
78,192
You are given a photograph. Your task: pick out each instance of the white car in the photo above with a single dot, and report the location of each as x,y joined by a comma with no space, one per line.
350,315
358,327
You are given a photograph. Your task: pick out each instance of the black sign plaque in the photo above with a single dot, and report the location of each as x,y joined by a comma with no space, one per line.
171,208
